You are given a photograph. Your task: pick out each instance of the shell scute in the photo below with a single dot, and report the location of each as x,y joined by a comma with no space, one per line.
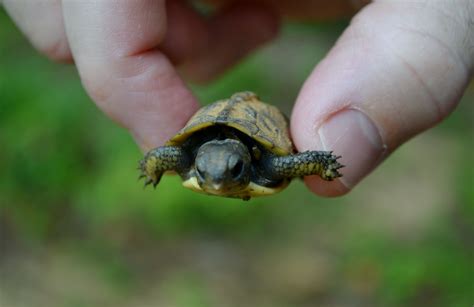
245,112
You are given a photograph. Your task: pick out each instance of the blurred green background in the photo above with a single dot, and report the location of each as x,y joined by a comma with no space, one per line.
77,229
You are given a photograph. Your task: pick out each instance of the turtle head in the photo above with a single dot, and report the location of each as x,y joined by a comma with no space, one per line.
222,167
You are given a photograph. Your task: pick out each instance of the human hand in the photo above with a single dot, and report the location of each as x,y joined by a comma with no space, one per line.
399,68
128,52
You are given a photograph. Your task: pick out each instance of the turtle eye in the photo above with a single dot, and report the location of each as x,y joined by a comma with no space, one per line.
237,169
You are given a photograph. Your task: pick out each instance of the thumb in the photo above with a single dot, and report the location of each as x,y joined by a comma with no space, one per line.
400,68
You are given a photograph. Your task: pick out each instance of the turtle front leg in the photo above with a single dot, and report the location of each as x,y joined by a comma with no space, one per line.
322,163
162,159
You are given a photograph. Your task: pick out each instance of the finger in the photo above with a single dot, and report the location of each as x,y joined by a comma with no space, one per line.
186,33
205,47
114,46
42,23
400,68
235,31
310,9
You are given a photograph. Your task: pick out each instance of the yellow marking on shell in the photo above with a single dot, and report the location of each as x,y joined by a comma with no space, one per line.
266,143
252,190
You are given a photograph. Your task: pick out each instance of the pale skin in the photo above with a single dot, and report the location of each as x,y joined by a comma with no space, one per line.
397,70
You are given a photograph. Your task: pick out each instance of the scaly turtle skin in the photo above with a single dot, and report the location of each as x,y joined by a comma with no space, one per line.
238,147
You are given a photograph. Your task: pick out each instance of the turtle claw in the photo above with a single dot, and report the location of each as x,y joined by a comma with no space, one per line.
148,179
159,160
147,182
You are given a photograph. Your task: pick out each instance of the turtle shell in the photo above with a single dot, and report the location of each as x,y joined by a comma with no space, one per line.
245,112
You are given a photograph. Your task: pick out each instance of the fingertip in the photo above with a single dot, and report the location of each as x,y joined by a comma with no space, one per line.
326,188
366,98
353,135
56,51
348,133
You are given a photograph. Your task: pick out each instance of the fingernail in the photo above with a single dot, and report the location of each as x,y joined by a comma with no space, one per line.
352,135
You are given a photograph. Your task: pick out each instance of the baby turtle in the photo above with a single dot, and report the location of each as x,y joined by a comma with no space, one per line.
238,147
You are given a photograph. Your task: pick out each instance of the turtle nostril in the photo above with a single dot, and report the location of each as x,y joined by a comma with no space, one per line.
237,170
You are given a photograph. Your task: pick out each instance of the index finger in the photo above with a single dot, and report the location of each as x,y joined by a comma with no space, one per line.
113,43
